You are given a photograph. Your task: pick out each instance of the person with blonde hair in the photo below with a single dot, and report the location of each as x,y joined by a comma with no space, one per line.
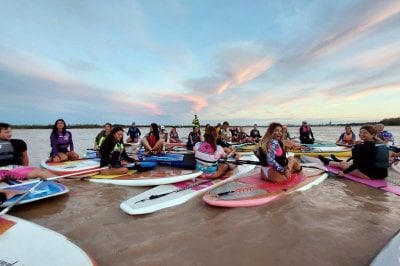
276,167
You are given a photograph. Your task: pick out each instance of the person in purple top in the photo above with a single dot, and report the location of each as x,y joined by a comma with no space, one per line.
62,146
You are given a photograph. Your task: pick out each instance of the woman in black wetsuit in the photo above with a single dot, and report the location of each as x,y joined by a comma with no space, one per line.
113,154
366,162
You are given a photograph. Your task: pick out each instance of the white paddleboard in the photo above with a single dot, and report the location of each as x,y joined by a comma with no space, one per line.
158,176
26,243
390,254
70,167
177,193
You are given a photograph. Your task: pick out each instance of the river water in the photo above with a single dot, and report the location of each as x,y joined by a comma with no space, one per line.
339,222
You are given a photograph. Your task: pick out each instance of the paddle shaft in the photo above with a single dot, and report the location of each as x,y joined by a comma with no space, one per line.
40,182
21,197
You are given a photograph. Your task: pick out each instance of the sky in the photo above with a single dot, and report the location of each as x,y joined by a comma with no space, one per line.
245,62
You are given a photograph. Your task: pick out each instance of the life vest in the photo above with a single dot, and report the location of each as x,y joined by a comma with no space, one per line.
206,154
381,158
6,150
115,154
348,138
280,155
375,154
101,140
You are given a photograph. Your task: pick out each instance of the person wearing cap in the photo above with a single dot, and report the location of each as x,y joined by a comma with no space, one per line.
306,134
133,134
163,133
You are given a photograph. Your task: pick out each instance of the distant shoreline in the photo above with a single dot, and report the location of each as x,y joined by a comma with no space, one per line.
86,126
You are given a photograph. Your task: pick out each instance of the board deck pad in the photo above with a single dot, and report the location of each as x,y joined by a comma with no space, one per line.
177,193
251,190
45,190
389,184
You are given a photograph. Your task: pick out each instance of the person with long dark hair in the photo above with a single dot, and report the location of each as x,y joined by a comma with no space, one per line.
113,154
152,142
62,146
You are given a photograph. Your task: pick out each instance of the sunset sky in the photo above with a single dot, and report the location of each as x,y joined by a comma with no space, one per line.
163,61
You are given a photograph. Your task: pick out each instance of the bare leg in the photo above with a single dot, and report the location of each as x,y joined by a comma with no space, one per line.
222,169
115,171
271,175
146,145
40,173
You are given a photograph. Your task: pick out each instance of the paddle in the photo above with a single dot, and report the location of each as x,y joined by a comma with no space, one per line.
174,191
4,211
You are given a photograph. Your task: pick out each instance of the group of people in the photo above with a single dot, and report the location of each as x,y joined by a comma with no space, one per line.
209,149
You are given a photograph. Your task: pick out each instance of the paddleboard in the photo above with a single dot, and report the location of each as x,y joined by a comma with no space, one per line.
158,176
26,243
324,151
390,254
251,190
170,146
45,190
181,160
389,184
178,193
70,167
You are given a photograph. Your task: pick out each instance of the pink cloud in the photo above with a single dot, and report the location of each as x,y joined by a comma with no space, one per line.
337,41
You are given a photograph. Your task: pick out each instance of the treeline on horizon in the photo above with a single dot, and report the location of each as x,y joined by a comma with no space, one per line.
386,122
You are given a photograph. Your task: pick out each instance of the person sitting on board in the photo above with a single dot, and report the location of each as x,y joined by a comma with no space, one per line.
163,133
153,143
367,162
347,138
113,153
14,158
207,154
62,146
386,136
276,167
193,138
102,136
133,134
306,134
224,137
234,134
242,136
255,133
174,136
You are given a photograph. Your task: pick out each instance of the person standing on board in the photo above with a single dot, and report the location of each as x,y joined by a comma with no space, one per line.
306,134
14,153
133,134
347,137
196,122
277,167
